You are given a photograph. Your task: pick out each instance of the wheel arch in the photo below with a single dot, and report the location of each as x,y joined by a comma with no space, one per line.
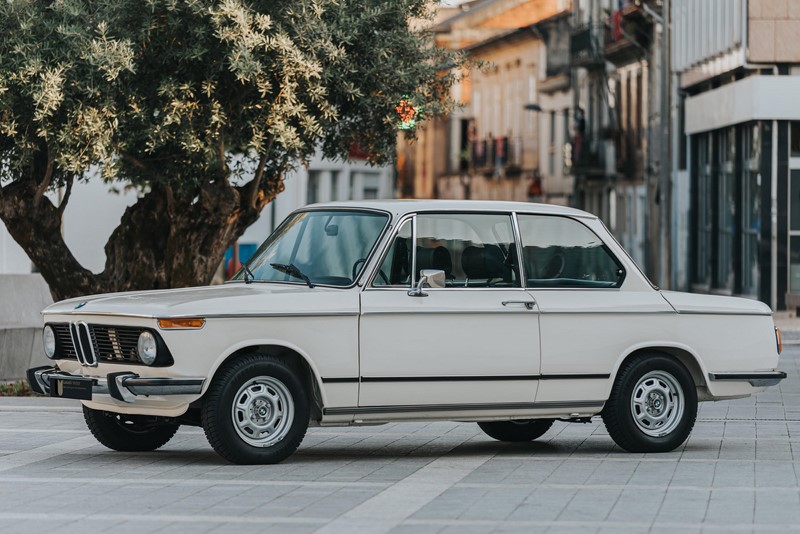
290,354
682,353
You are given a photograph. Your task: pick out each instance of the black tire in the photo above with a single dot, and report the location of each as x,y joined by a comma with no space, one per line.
618,414
521,430
128,433
282,392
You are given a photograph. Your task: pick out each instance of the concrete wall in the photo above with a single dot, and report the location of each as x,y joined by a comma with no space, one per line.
22,298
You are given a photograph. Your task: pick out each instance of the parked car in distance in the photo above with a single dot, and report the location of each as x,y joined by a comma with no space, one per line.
511,315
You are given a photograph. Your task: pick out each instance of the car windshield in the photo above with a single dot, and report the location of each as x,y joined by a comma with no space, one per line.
317,247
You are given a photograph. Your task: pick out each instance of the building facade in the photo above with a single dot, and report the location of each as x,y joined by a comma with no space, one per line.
491,147
737,65
616,55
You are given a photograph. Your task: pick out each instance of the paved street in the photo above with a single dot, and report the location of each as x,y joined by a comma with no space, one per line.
739,471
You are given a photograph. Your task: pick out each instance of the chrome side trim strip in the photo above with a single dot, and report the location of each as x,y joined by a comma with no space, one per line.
416,408
255,315
482,378
211,316
463,378
499,311
720,312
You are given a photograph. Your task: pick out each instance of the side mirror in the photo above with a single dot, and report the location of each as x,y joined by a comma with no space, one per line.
435,277
432,278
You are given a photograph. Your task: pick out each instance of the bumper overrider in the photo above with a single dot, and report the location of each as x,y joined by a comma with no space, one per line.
123,386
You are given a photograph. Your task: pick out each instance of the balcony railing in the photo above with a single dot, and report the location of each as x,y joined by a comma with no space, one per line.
586,46
501,155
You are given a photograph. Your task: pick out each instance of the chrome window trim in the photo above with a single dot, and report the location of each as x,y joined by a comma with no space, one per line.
369,285
608,249
386,226
386,247
518,239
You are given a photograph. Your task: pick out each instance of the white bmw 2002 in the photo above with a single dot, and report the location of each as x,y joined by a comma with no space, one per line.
511,315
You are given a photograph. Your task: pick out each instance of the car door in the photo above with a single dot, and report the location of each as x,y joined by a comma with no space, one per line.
472,343
589,315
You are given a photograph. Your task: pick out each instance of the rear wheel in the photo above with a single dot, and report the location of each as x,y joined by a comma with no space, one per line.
128,433
653,405
518,430
256,410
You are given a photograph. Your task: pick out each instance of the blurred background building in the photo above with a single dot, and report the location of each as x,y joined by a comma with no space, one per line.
675,121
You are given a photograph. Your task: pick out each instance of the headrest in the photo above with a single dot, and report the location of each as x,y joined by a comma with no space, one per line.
434,258
483,262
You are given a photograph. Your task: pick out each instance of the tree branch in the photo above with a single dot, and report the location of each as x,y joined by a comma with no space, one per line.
48,176
63,205
139,164
223,167
255,184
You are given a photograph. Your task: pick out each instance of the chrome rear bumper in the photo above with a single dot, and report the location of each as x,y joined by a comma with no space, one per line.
759,379
125,386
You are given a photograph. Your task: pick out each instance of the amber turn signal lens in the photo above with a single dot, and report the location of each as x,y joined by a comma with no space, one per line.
195,322
778,339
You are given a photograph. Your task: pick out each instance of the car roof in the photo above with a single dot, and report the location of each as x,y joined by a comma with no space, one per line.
403,206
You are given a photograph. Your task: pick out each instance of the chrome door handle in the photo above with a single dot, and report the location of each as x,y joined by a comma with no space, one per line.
529,304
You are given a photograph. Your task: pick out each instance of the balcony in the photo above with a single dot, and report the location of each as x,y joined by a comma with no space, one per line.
498,155
593,157
628,36
586,46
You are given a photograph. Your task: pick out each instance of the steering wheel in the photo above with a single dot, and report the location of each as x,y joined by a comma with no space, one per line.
362,261
554,267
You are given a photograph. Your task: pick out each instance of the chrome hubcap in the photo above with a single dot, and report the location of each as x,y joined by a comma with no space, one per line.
263,411
657,403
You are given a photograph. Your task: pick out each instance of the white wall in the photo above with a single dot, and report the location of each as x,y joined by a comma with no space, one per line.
94,212
704,30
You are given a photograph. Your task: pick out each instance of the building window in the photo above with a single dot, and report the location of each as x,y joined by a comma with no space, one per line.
794,231
551,163
794,139
751,209
726,209
704,220
312,191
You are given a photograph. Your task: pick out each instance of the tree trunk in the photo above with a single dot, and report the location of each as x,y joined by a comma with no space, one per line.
167,239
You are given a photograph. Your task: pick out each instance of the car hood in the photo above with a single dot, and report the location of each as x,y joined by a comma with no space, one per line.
714,304
225,300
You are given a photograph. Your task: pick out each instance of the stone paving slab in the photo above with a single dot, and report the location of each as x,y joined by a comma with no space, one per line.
738,472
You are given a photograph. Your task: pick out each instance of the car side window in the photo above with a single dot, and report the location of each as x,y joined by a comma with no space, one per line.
562,252
396,267
473,250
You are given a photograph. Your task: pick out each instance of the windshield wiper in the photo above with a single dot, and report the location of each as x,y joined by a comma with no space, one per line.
292,270
248,274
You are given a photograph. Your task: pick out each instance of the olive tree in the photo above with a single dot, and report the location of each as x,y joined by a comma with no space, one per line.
200,105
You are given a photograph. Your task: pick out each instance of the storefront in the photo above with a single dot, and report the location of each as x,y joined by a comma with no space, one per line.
744,162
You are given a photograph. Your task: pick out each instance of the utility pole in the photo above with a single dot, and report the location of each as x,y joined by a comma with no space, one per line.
665,156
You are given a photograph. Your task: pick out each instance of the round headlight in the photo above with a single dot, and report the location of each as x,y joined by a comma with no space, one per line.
49,341
147,348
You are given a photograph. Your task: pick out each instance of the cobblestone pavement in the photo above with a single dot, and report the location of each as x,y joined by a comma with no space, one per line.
739,471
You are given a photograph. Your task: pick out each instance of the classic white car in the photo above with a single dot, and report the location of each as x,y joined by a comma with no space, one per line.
511,315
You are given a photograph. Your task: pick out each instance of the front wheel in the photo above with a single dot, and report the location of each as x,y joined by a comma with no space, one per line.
128,433
256,410
653,405
518,430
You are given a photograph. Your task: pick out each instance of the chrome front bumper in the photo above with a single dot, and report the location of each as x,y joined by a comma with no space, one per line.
125,386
